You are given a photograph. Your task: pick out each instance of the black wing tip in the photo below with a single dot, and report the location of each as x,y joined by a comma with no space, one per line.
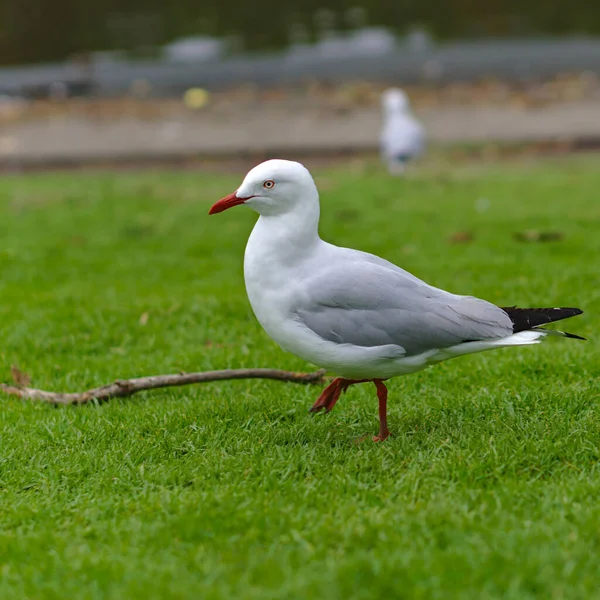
574,311
530,318
573,336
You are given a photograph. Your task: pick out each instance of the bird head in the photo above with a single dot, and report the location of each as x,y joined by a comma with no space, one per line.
271,188
394,100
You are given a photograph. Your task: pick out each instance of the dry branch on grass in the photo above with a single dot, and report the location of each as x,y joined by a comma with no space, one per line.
127,387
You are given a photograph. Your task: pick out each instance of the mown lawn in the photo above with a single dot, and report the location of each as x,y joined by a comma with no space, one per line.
489,487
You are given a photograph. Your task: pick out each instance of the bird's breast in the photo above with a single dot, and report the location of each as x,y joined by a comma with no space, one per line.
268,288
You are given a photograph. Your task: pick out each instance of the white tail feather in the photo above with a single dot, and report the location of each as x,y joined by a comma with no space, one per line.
523,338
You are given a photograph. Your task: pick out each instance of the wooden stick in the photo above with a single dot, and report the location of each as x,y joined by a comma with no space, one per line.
127,387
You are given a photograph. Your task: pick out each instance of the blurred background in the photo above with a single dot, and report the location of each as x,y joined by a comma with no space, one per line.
190,82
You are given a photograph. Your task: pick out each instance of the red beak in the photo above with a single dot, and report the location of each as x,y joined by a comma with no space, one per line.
227,202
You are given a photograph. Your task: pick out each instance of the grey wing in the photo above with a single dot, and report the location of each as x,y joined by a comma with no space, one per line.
368,304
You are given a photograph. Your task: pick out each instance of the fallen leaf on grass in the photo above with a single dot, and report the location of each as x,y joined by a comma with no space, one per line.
461,237
211,344
21,379
533,235
347,215
77,240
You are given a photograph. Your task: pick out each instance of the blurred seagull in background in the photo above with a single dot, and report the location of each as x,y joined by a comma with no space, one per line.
354,313
402,136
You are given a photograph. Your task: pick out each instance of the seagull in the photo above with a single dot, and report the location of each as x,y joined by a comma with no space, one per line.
402,137
351,312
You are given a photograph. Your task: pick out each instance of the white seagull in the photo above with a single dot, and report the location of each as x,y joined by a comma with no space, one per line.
354,313
402,136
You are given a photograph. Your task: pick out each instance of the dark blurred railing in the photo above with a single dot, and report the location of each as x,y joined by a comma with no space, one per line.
509,60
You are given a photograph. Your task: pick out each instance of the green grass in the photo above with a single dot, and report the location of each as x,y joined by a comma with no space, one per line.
489,487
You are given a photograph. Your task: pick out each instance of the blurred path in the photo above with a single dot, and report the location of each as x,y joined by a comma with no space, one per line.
277,130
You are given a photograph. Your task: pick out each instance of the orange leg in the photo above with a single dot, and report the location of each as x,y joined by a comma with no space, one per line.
333,391
329,396
382,394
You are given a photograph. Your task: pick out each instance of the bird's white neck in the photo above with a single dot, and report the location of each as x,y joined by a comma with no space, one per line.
286,237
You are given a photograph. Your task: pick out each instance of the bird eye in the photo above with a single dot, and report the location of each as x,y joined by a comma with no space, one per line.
269,184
